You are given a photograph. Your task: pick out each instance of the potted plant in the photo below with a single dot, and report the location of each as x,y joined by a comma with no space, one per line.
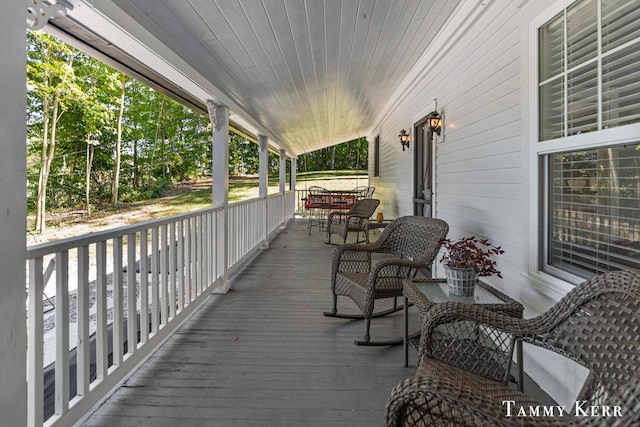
465,260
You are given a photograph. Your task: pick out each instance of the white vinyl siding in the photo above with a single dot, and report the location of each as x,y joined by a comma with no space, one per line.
478,177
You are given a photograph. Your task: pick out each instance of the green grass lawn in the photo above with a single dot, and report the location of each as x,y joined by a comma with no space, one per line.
181,198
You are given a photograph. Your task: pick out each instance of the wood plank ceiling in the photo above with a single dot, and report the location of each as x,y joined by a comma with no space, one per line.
309,73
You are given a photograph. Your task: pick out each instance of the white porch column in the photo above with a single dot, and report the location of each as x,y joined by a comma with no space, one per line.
263,184
283,170
264,166
292,173
13,178
219,117
283,182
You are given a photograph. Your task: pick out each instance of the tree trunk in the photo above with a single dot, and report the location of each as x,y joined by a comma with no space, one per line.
48,149
155,139
136,172
116,169
42,179
87,181
333,158
164,142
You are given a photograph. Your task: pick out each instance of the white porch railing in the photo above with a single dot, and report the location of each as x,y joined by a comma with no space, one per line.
120,293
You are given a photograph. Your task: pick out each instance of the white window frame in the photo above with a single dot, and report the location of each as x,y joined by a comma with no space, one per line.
537,151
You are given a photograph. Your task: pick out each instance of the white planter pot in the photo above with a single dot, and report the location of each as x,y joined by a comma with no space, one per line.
462,281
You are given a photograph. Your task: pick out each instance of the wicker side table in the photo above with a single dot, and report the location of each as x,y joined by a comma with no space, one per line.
425,293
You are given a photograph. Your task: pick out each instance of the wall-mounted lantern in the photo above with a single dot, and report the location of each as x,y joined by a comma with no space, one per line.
434,122
404,139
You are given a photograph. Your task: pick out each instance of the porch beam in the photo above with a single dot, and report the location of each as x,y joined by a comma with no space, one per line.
219,117
13,134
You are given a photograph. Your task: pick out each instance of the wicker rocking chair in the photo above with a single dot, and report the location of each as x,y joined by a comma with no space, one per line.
412,243
597,325
341,223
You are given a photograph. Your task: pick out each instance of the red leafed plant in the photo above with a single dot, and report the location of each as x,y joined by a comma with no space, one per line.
470,252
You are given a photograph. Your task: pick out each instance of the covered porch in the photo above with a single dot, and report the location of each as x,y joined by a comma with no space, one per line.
296,76
263,354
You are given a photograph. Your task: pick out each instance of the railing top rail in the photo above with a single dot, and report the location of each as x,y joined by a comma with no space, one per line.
43,249
245,202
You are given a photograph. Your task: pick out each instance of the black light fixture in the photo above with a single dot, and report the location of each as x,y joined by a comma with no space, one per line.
434,120
404,139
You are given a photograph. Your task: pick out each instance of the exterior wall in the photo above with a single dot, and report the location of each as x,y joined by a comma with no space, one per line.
13,393
480,77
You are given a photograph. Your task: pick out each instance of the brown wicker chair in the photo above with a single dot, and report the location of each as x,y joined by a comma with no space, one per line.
412,242
341,223
597,325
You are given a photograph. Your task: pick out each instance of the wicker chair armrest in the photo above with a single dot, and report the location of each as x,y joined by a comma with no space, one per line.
333,214
394,267
422,401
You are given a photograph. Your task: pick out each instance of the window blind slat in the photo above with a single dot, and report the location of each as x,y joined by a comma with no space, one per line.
595,210
582,100
621,87
619,22
582,32
551,59
552,109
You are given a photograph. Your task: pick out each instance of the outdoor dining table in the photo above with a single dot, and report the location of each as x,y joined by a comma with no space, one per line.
341,198
327,201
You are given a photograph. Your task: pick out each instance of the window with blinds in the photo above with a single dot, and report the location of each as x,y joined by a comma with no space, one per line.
589,80
589,68
594,218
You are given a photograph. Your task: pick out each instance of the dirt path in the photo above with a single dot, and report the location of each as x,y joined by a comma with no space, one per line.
66,224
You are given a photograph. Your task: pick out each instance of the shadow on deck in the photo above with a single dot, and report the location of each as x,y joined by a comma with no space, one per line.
264,355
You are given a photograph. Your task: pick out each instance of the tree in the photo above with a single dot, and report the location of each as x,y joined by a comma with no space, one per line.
118,148
51,80
98,82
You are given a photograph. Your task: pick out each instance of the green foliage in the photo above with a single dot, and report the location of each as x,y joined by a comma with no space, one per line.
350,155
163,142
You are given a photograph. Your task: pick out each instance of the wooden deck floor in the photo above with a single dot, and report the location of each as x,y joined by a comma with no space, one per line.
264,355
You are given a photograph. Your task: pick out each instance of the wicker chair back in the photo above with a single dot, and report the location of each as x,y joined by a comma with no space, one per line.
414,238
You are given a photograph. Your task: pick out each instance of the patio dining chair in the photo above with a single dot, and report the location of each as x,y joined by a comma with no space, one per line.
341,223
364,192
316,203
409,243
597,325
